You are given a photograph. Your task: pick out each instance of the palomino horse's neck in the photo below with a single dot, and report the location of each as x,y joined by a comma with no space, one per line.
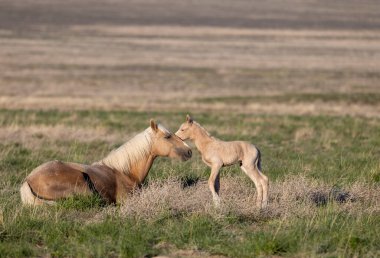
201,137
140,170
133,158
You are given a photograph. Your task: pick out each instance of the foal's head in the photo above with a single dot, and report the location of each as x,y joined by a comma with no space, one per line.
186,130
167,144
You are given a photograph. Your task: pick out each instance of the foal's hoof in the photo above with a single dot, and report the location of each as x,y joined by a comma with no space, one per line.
216,202
259,206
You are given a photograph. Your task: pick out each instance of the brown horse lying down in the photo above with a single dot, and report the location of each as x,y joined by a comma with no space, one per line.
217,154
112,177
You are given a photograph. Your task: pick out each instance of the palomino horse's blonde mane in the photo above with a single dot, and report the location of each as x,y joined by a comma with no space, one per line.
137,148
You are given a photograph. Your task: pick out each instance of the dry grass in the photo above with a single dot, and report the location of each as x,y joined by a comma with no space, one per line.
66,103
294,196
303,134
32,136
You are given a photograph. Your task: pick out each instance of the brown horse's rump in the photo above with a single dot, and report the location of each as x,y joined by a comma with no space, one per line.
57,179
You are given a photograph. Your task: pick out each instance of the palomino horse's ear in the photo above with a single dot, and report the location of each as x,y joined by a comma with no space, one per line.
153,125
189,119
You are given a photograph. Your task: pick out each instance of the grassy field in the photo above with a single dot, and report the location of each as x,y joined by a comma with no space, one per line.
324,198
79,78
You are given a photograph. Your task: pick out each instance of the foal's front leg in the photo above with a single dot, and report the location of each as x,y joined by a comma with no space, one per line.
214,182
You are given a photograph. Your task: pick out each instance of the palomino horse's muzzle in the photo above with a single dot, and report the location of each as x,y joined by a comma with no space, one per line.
185,155
189,154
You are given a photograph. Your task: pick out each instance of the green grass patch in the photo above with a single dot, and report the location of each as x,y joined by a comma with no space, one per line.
81,203
328,233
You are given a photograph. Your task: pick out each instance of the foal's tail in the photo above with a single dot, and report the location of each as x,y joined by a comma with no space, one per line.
28,197
258,160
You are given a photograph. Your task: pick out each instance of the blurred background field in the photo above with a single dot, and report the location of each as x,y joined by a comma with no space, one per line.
300,79
197,55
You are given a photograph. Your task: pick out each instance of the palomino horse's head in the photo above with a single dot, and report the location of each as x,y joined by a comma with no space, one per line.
167,144
185,131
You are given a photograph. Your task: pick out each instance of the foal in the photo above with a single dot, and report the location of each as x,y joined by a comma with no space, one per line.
217,154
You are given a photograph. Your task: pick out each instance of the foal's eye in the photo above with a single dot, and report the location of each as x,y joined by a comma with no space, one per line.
182,130
168,136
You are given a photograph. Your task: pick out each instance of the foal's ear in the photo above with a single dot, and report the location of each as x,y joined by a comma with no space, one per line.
153,125
189,119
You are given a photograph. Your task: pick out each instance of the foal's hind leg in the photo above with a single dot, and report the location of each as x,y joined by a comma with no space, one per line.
263,179
265,184
256,178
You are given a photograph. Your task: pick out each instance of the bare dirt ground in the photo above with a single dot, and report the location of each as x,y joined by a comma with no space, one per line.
167,55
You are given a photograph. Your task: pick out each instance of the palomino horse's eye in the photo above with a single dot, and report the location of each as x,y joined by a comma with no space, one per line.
182,130
168,136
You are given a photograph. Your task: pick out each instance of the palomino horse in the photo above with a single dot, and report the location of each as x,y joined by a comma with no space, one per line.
112,178
217,154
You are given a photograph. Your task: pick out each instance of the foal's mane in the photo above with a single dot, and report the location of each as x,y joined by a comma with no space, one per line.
202,129
137,148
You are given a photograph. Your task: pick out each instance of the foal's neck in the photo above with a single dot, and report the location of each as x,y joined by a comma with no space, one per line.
201,138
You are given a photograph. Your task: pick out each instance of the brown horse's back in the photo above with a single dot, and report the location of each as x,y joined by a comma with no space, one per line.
55,179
